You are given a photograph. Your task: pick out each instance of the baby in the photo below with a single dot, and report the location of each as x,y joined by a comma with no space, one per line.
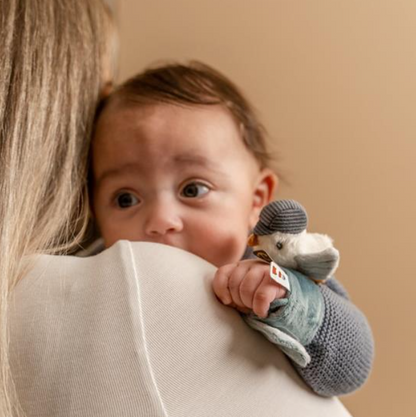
179,158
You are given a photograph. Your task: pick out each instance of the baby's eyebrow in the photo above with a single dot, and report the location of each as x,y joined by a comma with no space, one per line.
196,159
115,172
188,159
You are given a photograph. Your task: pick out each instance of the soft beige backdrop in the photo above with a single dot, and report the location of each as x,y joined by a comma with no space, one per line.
335,83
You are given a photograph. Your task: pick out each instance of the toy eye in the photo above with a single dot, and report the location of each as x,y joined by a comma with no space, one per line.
279,245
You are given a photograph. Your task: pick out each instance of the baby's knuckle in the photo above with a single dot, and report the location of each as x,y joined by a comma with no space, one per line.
221,271
261,296
246,290
218,281
252,274
233,284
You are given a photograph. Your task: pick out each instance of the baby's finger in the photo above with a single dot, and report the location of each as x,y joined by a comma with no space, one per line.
250,283
266,292
235,281
244,310
220,283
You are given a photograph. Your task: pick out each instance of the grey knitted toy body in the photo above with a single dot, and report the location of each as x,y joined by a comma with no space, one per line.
280,235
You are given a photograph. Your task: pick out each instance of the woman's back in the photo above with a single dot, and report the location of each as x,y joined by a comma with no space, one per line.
136,331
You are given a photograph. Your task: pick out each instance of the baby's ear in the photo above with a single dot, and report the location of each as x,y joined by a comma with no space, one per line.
263,193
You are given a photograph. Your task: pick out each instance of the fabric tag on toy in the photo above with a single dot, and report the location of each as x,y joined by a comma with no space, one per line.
277,274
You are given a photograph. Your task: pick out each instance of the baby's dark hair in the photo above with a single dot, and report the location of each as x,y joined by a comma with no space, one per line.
195,84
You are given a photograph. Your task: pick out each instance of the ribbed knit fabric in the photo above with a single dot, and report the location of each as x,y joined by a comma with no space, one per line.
286,216
137,332
342,350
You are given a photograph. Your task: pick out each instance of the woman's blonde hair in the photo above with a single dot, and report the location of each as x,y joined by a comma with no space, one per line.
51,68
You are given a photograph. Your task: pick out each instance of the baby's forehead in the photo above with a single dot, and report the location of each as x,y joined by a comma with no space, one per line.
117,119
112,109
152,140
197,129
121,111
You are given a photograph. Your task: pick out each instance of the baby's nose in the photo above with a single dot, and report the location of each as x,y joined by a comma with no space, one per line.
162,218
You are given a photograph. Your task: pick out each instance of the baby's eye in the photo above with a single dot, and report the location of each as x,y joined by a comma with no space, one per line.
125,200
194,190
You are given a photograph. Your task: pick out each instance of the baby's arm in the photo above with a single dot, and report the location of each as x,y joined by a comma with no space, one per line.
342,349
334,332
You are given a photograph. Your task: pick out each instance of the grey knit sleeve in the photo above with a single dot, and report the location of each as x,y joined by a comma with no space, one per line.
342,350
326,337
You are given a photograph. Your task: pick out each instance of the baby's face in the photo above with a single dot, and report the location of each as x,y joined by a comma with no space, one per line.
175,175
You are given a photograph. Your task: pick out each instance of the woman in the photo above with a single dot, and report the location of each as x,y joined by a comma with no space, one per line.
52,58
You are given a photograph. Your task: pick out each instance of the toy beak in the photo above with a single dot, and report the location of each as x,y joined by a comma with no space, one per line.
253,240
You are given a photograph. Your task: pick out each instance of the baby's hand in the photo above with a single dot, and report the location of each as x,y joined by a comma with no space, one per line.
247,286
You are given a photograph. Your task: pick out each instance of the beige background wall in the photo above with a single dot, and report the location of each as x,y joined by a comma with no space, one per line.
335,83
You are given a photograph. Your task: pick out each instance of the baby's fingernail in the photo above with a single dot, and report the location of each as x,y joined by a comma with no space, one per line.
226,301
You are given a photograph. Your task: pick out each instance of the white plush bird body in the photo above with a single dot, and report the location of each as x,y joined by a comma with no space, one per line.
281,236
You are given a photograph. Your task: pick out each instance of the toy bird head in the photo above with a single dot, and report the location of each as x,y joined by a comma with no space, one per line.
285,216
280,235
283,219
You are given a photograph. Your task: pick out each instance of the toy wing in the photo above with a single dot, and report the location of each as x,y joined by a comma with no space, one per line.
320,265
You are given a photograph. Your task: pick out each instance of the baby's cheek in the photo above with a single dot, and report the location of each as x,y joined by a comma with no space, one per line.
225,250
112,232
108,235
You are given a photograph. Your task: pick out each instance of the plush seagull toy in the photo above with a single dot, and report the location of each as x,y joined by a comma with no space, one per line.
280,236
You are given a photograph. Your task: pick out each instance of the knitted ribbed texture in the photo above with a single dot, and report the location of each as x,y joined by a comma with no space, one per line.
137,332
342,350
286,216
